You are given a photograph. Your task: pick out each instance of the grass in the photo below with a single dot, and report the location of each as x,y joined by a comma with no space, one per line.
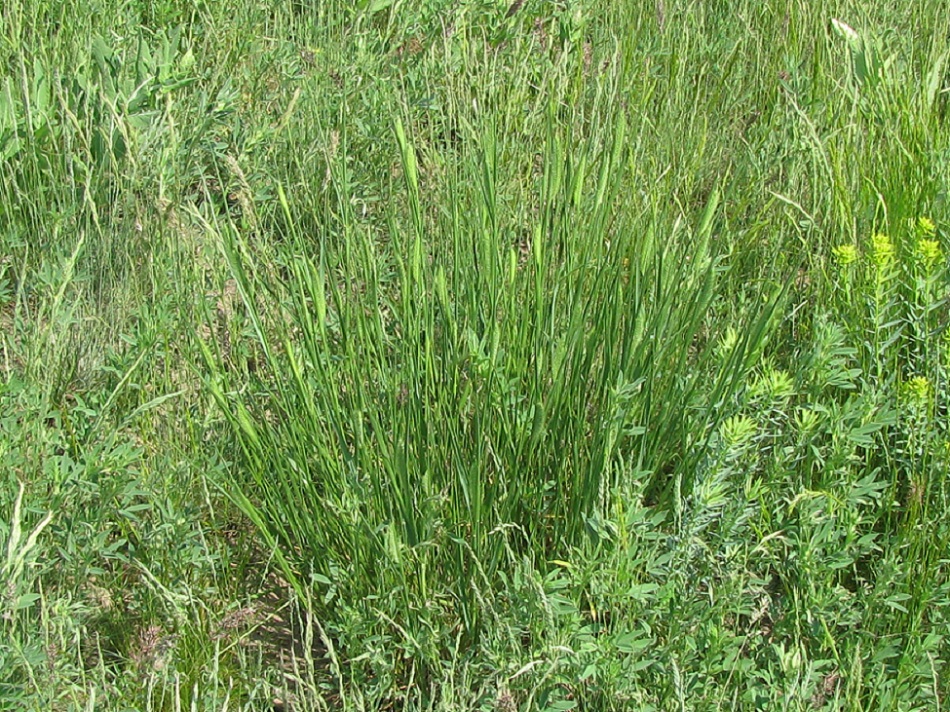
474,356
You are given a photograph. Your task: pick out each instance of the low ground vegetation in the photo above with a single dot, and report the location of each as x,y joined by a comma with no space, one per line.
461,355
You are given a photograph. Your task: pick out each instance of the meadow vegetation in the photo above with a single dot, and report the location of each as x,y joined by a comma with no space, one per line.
465,355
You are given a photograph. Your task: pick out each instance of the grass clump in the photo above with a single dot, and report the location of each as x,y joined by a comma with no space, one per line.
467,356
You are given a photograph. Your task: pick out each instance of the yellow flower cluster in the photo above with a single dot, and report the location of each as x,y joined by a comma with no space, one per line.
929,252
845,255
883,253
926,227
882,250
918,390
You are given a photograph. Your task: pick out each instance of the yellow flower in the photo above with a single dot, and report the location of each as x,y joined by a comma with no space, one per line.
918,390
928,252
882,250
926,227
845,255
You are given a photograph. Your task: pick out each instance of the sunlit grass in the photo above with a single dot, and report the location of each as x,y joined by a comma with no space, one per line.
573,355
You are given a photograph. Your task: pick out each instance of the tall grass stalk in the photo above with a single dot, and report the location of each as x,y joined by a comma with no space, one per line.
408,436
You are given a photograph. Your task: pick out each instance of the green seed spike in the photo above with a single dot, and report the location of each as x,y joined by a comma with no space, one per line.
408,158
537,247
705,225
